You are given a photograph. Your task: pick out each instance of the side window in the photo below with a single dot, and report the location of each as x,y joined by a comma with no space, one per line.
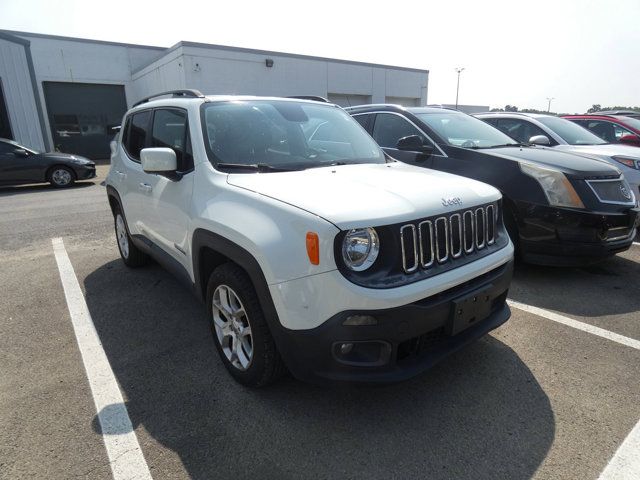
619,131
137,134
521,130
170,131
603,129
389,128
364,120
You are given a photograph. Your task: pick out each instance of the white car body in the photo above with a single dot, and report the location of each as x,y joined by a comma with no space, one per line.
269,214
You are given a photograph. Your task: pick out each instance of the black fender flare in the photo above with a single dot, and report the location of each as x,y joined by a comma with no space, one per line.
245,260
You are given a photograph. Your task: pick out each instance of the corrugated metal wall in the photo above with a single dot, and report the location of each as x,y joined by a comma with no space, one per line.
18,92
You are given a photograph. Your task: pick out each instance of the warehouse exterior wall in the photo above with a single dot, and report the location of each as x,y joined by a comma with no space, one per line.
222,70
19,95
60,59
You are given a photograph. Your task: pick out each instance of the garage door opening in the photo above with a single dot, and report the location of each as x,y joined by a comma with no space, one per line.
82,116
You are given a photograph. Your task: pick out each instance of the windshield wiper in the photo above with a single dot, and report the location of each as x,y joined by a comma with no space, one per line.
254,167
504,145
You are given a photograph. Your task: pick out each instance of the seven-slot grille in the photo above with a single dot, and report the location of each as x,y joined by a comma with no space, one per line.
447,237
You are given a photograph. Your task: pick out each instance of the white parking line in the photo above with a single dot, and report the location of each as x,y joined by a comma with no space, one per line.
625,464
125,456
570,322
636,243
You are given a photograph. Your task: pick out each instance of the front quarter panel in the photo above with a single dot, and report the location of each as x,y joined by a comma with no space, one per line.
273,232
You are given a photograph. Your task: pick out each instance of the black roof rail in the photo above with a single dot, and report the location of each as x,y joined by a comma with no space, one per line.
315,98
175,93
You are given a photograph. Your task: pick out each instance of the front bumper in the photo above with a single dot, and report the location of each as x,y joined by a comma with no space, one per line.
85,172
411,338
565,237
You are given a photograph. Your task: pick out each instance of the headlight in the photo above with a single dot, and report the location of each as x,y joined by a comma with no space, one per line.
360,248
556,186
629,162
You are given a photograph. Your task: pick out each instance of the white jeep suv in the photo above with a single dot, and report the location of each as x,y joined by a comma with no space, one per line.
313,251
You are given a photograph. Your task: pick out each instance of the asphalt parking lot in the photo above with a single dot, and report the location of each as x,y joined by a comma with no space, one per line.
537,398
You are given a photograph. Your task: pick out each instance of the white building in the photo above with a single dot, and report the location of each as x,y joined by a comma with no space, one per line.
67,93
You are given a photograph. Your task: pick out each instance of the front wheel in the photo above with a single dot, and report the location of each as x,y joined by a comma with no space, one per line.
131,255
240,331
61,177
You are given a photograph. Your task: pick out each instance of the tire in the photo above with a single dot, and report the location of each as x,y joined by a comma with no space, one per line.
131,255
253,360
61,176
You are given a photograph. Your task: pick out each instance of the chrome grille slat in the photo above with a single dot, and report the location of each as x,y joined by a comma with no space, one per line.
491,218
472,220
432,256
454,253
414,242
444,241
448,237
479,214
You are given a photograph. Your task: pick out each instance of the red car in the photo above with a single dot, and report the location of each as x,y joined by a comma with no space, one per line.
612,128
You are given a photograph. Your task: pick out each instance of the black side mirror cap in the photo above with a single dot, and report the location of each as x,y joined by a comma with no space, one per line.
413,143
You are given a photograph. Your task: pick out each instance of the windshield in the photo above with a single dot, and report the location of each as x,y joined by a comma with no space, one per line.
570,132
284,135
462,130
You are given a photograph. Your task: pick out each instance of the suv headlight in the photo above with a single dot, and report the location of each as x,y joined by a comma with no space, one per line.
629,162
557,188
360,248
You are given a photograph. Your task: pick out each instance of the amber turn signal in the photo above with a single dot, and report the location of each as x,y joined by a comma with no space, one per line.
313,248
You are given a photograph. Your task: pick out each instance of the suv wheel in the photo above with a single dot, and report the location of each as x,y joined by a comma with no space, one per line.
131,255
61,177
240,331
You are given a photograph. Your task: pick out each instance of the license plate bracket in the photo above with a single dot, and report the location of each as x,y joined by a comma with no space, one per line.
469,309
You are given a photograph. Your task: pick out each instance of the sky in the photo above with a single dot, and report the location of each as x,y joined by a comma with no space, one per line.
580,52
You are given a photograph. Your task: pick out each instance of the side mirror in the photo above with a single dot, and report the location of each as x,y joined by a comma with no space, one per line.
159,160
413,143
20,152
540,140
630,139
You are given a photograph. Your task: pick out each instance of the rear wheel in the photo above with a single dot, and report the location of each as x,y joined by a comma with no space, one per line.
240,331
61,177
131,255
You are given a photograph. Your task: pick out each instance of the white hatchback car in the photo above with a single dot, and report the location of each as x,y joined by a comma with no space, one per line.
312,250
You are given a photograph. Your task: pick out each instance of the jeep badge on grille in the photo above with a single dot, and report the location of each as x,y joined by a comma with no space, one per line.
447,202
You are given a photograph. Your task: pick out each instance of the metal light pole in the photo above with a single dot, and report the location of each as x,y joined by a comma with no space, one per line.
458,71
549,104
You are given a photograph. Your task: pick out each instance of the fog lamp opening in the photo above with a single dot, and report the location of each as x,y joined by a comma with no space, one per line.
362,353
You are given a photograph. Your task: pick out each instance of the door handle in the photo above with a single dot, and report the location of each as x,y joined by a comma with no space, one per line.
145,187
121,175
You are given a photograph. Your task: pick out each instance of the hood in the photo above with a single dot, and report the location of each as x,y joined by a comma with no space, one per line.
368,195
60,156
607,150
577,166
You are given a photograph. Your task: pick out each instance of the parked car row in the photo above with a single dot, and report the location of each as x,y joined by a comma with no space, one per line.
560,208
320,251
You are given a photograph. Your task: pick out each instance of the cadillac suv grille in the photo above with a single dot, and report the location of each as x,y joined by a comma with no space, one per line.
446,238
615,190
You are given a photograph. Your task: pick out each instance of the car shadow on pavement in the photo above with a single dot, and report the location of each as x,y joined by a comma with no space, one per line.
6,191
609,287
480,414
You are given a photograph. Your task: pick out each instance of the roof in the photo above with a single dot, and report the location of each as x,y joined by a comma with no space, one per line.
394,107
18,34
5,35
165,51
516,114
